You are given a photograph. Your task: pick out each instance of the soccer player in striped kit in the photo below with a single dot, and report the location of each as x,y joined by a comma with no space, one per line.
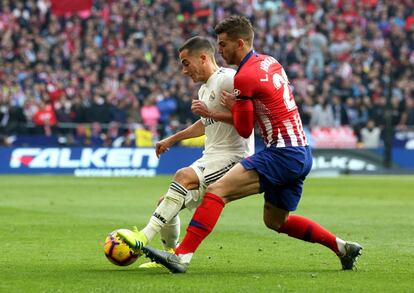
261,94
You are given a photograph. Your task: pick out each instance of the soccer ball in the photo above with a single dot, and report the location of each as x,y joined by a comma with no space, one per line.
117,252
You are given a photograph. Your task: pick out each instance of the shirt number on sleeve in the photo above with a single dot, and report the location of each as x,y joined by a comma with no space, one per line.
280,80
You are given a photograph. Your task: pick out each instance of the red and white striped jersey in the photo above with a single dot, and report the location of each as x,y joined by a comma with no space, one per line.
263,80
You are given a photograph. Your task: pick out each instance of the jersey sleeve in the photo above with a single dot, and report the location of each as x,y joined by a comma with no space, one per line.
243,117
243,86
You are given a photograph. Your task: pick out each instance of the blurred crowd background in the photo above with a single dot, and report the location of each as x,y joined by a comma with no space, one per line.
114,71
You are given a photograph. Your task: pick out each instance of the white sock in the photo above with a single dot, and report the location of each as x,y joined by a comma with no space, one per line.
170,233
168,208
186,258
341,245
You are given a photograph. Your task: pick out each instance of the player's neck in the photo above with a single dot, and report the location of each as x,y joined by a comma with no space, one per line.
242,54
210,71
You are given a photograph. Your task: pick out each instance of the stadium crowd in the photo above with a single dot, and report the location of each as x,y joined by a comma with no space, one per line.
117,69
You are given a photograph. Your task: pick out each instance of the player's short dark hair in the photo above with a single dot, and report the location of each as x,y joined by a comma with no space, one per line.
196,44
236,27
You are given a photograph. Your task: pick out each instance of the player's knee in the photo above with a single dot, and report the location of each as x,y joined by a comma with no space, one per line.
184,178
180,176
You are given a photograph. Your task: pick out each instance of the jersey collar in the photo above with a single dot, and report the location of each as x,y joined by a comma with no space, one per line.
251,52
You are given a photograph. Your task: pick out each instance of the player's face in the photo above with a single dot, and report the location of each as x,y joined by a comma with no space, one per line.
192,65
227,49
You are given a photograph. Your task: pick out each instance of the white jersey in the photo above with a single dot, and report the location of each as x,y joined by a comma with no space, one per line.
223,147
222,138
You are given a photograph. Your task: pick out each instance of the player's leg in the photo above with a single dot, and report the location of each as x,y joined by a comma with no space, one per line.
169,234
173,201
283,199
241,181
280,199
279,220
237,183
307,230
183,180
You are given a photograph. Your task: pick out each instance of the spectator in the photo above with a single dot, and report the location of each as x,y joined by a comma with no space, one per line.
99,110
16,121
377,112
78,110
370,135
339,112
407,119
3,141
127,51
45,119
167,106
305,106
150,115
317,45
63,109
322,114
185,117
134,113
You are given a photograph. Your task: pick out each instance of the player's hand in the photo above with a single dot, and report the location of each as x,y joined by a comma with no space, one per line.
162,146
227,99
199,108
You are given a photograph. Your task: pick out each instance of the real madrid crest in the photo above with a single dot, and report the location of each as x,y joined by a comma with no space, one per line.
212,96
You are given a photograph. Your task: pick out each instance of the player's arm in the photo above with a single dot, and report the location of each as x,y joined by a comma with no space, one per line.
199,108
195,130
242,112
243,116
241,106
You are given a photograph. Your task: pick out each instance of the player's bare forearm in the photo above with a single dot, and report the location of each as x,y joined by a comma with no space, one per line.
195,130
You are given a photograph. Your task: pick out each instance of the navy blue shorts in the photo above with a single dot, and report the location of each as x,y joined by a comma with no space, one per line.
281,173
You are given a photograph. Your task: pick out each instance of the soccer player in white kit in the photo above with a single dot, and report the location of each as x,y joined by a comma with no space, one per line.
224,147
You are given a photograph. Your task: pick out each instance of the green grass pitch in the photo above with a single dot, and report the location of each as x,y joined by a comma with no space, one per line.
53,229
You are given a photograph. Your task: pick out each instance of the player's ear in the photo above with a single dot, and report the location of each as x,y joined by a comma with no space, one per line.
203,58
240,43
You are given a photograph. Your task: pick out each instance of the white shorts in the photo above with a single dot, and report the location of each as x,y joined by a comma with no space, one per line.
208,170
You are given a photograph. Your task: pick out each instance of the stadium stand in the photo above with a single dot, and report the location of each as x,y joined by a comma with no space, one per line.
91,79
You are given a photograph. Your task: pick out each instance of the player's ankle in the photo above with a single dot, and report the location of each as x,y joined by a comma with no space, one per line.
186,257
341,246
